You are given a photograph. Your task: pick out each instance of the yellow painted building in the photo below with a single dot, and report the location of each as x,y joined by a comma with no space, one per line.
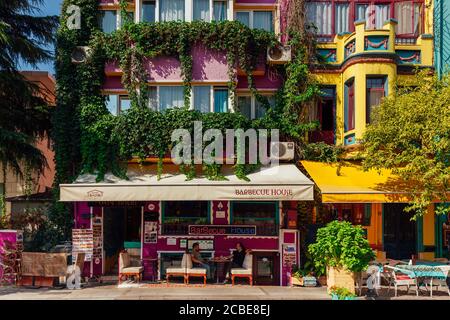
368,48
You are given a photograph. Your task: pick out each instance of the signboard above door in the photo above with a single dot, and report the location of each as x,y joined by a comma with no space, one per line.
222,230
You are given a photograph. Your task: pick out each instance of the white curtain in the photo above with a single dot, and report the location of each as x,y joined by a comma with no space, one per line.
342,18
408,16
382,14
171,10
263,20
319,14
202,98
220,10
171,97
375,15
201,10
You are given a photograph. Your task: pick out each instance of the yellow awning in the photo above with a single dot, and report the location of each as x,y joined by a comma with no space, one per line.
350,183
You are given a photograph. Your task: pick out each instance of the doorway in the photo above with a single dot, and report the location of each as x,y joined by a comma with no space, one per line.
399,232
121,227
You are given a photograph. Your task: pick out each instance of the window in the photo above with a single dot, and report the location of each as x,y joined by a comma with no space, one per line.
171,10
349,106
320,15
375,91
342,18
409,16
251,108
153,97
201,10
202,98
108,20
220,99
178,215
256,19
264,215
148,11
117,103
171,97
219,10
374,14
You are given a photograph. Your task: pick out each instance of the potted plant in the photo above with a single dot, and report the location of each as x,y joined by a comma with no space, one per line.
338,293
342,249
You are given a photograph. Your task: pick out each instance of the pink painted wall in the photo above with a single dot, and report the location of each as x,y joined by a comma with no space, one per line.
208,65
270,80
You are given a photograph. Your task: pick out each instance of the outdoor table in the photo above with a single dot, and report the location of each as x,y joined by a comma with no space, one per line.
423,272
220,266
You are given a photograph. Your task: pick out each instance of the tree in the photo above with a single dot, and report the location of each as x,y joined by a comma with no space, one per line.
24,115
410,134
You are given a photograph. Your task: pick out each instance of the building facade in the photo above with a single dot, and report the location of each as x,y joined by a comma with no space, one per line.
369,48
159,219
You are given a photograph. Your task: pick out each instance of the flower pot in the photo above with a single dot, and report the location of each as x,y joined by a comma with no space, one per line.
322,280
340,278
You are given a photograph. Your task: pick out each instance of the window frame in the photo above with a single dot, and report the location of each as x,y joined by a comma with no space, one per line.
349,96
383,89
276,214
252,101
118,16
251,13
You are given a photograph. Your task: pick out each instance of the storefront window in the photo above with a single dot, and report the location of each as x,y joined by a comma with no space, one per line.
178,215
264,215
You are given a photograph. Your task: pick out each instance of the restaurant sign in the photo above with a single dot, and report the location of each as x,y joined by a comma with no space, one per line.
222,230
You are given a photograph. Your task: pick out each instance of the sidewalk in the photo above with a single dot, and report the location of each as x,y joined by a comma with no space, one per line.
195,292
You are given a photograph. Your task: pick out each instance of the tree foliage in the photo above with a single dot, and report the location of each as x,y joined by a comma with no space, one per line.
410,134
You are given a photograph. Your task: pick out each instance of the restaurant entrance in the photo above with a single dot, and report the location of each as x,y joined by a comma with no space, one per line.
266,268
121,231
399,232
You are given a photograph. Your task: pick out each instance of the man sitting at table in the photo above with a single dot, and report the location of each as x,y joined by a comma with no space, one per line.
237,260
199,261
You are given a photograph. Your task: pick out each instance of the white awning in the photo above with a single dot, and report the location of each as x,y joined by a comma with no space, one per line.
283,182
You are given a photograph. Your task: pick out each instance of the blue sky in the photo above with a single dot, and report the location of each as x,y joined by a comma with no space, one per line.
50,8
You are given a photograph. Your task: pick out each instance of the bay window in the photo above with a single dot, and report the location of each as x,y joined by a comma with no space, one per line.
256,19
375,92
170,97
335,16
263,215
171,10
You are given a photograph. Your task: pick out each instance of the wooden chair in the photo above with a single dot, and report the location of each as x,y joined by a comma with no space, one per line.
127,270
245,272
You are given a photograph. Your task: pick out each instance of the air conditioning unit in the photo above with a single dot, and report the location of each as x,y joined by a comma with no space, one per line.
80,54
282,150
279,54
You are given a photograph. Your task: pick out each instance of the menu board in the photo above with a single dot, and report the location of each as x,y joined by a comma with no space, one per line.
150,232
83,242
97,238
289,255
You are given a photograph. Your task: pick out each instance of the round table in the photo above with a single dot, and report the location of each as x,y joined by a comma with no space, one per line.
220,265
